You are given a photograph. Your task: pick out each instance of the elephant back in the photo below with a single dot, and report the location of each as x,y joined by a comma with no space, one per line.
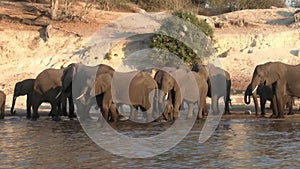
48,79
102,68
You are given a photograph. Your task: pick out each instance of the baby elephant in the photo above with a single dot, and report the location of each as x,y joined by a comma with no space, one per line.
2,104
265,93
24,87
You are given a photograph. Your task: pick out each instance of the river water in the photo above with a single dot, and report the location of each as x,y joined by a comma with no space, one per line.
236,143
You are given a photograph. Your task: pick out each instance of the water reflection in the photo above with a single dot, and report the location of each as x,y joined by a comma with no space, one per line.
236,143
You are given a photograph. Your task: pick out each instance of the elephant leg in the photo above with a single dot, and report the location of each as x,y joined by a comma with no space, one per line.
280,105
182,106
28,107
56,108
119,106
226,109
170,112
63,104
71,108
202,111
150,116
227,101
177,102
83,111
254,95
114,112
36,104
290,110
280,108
52,111
290,106
262,106
167,113
133,113
105,113
175,113
274,107
214,102
106,105
60,109
271,105
190,110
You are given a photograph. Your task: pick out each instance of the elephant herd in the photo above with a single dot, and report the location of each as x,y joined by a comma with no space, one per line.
282,82
159,96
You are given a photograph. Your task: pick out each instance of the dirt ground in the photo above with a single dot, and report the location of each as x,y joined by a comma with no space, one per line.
251,37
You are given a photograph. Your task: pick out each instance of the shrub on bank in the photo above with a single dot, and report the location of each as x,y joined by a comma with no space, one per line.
184,36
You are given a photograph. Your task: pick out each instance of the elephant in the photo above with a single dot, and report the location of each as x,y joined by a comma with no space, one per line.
283,79
214,77
177,85
24,87
2,104
81,80
134,89
46,89
265,93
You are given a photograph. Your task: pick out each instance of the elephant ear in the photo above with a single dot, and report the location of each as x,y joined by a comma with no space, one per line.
271,78
68,76
102,84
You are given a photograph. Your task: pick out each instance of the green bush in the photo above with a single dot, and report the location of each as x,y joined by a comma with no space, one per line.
180,36
190,17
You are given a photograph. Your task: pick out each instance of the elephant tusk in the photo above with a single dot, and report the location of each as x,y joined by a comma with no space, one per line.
80,96
253,91
83,93
58,95
166,96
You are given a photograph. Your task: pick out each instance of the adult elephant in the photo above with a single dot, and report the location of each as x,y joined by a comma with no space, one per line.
265,93
136,89
2,104
179,85
46,89
81,80
219,84
283,79
24,87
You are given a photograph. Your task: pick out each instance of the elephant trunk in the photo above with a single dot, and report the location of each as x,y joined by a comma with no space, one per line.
67,78
160,101
12,111
247,99
247,95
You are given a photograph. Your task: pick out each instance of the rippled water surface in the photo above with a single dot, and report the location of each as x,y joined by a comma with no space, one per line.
236,143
